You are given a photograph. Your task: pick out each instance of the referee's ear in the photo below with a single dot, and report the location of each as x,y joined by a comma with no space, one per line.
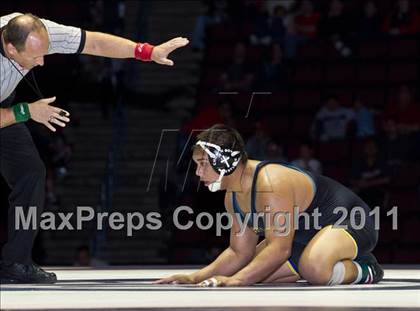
11,50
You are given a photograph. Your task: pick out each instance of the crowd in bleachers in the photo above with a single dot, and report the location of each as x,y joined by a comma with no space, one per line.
330,86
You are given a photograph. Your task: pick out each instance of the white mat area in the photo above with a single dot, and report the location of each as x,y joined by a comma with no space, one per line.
132,288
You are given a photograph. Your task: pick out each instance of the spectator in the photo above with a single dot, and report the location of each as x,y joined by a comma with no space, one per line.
239,76
307,19
278,24
335,26
82,257
216,14
370,175
256,146
61,154
369,26
287,5
241,11
306,160
274,152
273,72
405,112
102,74
403,21
332,120
208,115
268,28
262,31
205,117
364,119
396,148
59,157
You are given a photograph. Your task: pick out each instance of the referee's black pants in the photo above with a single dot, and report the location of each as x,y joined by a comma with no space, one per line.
25,173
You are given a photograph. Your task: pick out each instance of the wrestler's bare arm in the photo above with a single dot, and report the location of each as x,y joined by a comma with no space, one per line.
278,241
240,251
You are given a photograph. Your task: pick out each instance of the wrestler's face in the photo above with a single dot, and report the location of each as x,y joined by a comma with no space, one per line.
204,170
36,47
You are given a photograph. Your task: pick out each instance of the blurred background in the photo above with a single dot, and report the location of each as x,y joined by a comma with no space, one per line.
331,86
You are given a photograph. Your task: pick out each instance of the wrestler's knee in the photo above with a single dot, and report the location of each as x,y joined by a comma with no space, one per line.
315,269
315,273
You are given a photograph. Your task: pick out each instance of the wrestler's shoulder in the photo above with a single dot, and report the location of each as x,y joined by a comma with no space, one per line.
273,178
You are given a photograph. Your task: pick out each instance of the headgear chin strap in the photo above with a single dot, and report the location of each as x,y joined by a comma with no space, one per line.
223,160
215,186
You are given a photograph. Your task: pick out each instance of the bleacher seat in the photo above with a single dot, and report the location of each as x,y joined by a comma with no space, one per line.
387,233
357,149
309,74
336,152
410,230
407,176
403,73
293,146
407,201
371,74
301,126
340,74
405,49
221,32
276,101
345,95
338,173
313,50
220,53
407,255
278,126
373,50
306,100
373,98
254,54
383,254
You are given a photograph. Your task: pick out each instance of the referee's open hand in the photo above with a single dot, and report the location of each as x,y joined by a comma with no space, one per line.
42,112
160,52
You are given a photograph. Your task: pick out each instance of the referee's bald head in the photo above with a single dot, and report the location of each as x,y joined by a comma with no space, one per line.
18,29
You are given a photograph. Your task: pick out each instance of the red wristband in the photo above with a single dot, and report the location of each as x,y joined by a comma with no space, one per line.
143,51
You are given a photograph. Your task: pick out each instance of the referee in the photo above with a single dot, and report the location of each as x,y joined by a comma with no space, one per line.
25,41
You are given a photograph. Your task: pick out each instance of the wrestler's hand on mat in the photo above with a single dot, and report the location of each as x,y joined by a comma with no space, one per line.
43,113
177,279
222,281
161,52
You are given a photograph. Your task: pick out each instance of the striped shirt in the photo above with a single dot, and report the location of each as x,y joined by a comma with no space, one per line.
62,39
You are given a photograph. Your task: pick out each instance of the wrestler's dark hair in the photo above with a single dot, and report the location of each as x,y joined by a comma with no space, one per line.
18,28
225,137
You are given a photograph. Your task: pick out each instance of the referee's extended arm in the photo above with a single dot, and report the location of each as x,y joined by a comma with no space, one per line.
40,37
102,44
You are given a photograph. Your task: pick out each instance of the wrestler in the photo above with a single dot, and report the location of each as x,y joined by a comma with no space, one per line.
326,254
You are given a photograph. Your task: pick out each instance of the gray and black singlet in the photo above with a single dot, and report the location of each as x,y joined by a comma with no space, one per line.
330,198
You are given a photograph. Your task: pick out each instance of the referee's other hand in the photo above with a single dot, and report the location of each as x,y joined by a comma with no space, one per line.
50,116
